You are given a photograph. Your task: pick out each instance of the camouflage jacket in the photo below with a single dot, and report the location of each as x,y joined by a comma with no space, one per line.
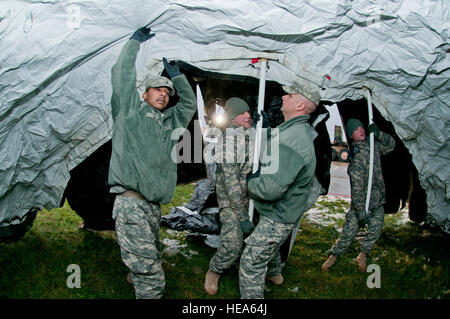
234,159
358,170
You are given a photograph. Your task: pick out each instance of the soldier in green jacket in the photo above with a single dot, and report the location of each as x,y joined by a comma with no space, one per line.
358,170
141,170
280,195
234,158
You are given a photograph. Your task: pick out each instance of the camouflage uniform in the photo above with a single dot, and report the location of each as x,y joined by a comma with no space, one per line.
141,162
137,230
262,256
234,158
358,171
280,198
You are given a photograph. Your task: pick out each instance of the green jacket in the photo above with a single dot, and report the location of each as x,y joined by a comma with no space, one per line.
282,194
141,141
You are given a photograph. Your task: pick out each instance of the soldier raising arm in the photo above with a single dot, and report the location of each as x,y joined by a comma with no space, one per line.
141,170
358,171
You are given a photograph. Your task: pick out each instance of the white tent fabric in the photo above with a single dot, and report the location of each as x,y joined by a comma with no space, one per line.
56,57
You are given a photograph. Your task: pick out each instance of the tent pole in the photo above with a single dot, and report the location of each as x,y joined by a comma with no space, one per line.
257,149
372,141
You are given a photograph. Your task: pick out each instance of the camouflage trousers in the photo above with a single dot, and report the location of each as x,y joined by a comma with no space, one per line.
137,230
375,222
261,256
231,238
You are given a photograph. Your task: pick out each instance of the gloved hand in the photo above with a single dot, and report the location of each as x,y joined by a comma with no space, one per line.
247,227
253,175
373,128
142,34
265,119
172,70
361,215
362,223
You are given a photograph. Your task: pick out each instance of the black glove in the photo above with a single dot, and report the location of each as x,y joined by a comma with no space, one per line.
172,70
253,175
247,227
362,223
265,122
373,128
142,34
361,215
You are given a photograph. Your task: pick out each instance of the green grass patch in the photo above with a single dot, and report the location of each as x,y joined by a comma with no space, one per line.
338,205
414,262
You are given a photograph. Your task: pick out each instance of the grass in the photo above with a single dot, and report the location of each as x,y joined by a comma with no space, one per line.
414,262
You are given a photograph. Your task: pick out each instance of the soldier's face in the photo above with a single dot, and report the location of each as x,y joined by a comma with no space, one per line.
359,134
157,97
243,119
290,104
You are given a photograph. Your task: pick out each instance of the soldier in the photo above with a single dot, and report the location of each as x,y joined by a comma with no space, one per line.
234,157
280,195
141,171
358,170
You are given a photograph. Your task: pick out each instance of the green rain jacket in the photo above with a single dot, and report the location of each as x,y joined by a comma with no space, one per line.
282,194
142,135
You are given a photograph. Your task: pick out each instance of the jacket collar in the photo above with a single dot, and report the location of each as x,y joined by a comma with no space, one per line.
166,112
236,127
238,130
294,120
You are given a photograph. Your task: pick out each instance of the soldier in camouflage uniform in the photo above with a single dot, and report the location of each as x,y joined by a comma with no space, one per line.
280,195
358,171
234,157
141,171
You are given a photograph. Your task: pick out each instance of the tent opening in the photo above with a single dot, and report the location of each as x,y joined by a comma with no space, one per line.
88,193
399,173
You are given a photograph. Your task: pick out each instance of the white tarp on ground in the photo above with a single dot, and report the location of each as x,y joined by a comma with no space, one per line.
56,57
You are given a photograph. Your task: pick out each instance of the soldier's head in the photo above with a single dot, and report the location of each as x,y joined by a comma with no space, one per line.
237,112
301,99
355,129
157,92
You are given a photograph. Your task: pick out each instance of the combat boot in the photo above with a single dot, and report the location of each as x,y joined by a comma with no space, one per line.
329,263
361,261
277,280
211,282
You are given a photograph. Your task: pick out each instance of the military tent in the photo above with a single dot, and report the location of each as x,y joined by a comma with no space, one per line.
56,57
